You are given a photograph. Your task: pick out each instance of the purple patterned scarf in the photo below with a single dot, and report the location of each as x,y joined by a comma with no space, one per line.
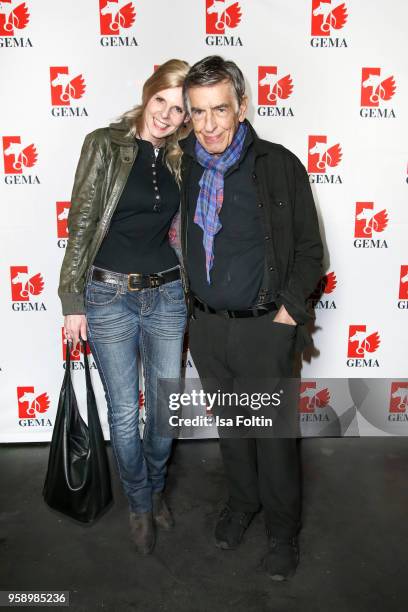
211,194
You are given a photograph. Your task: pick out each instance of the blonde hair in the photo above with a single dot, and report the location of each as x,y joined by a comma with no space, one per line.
170,74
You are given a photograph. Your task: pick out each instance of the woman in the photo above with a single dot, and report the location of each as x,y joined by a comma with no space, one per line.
120,283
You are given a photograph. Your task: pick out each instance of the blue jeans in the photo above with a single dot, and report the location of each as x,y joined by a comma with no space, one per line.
122,325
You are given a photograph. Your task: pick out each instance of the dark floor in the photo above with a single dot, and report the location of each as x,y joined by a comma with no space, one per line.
353,544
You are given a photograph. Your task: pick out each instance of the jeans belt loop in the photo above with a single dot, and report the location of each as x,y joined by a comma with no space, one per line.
154,281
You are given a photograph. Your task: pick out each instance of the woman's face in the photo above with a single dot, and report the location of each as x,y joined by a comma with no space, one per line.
163,115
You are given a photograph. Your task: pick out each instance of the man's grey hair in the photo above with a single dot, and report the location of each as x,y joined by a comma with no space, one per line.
211,70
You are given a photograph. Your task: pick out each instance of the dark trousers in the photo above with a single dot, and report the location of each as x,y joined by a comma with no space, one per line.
260,471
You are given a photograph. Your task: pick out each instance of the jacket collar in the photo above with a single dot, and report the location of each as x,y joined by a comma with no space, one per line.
120,133
260,146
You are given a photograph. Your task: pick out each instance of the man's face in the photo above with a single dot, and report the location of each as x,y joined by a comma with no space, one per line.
215,115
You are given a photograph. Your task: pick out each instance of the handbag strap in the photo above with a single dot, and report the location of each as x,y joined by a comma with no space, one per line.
68,382
89,387
88,381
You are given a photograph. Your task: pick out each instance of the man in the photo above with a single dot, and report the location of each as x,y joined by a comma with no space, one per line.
251,244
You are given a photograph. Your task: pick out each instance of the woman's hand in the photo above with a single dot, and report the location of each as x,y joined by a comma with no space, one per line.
75,327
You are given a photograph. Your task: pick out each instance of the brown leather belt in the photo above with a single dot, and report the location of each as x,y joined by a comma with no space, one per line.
256,311
137,280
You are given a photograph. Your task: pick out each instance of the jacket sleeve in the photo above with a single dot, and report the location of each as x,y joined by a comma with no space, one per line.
308,249
82,221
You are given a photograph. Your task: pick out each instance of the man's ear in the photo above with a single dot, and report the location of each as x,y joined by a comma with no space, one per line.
243,107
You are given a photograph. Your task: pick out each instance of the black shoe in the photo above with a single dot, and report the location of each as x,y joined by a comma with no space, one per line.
161,513
142,531
230,528
282,558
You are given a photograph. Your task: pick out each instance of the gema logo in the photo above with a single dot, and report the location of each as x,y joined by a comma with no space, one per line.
64,90
25,287
75,354
62,211
403,288
360,345
367,224
321,157
327,19
14,16
115,17
326,285
17,158
375,90
311,401
222,16
272,88
397,410
142,408
31,407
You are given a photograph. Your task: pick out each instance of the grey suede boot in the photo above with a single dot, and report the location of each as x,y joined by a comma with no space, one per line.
161,513
142,531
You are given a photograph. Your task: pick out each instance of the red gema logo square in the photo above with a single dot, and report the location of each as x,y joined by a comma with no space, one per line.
321,156
366,221
75,351
62,216
398,397
272,87
403,285
221,15
24,285
374,88
64,89
310,398
30,403
326,17
17,156
13,17
115,15
359,343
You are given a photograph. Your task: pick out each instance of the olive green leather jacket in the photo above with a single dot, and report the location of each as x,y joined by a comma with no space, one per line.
106,160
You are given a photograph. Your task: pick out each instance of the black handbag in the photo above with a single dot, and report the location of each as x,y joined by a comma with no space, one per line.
78,479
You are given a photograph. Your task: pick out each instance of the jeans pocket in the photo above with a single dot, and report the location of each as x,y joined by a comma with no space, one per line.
101,294
174,292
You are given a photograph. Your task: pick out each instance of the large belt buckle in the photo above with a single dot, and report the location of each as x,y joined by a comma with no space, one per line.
137,276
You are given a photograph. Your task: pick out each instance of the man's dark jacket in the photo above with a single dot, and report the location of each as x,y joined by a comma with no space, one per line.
293,247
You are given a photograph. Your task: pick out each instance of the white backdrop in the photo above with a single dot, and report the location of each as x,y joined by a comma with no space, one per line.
326,79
